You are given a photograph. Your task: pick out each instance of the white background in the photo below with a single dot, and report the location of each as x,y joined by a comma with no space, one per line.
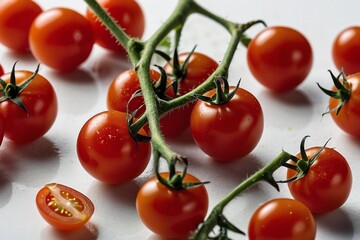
81,94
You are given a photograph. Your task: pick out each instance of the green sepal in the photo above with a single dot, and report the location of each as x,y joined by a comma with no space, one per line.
343,91
11,91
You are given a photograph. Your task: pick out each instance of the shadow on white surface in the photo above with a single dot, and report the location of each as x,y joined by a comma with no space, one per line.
88,232
30,165
337,223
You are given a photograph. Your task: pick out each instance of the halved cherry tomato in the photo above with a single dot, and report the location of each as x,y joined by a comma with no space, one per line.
172,213
127,14
63,207
280,58
61,38
15,22
282,219
108,152
346,50
327,184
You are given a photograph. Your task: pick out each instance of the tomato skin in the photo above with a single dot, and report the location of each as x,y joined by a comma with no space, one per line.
40,100
229,131
16,19
108,152
171,213
282,219
127,13
61,38
280,58
1,71
346,50
122,88
349,115
1,130
328,183
199,68
81,208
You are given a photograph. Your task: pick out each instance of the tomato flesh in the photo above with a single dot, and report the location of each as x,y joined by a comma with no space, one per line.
62,207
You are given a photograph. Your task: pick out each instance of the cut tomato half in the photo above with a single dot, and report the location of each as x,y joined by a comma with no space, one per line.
63,207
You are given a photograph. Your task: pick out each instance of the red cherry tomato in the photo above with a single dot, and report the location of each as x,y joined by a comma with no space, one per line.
282,219
228,131
346,50
61,38
108,152
349,115
280,58
327,184
199,68
1,71
171,213
63,207
127,14
1,130
15,21
40,101
123,87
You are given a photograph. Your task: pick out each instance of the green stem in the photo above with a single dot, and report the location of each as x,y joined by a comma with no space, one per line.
109,22
264,174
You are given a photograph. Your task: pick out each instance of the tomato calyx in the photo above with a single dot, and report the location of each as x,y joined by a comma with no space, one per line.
175,180
303,164
222,94
11,91
343,91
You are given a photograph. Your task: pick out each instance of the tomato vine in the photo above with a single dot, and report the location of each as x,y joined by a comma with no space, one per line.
140,53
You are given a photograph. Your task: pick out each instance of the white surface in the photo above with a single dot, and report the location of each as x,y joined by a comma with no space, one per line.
289,117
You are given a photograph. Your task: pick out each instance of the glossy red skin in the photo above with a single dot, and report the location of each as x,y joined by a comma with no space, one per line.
61,38
108,152
1,71
328,183
229,131
349,116
282,219
199,68
171,213
122,88
40,100
16,19
127,14
346,50
62,222
280,58
1,130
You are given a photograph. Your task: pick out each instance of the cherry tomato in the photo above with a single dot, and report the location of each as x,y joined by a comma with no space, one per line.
127,14
280,58
40,101
282,219
349,115
63,207
327,184
1,130
346,50
108,152
228,131
61,38
199,68
171,213
16,19
1,71
123,87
